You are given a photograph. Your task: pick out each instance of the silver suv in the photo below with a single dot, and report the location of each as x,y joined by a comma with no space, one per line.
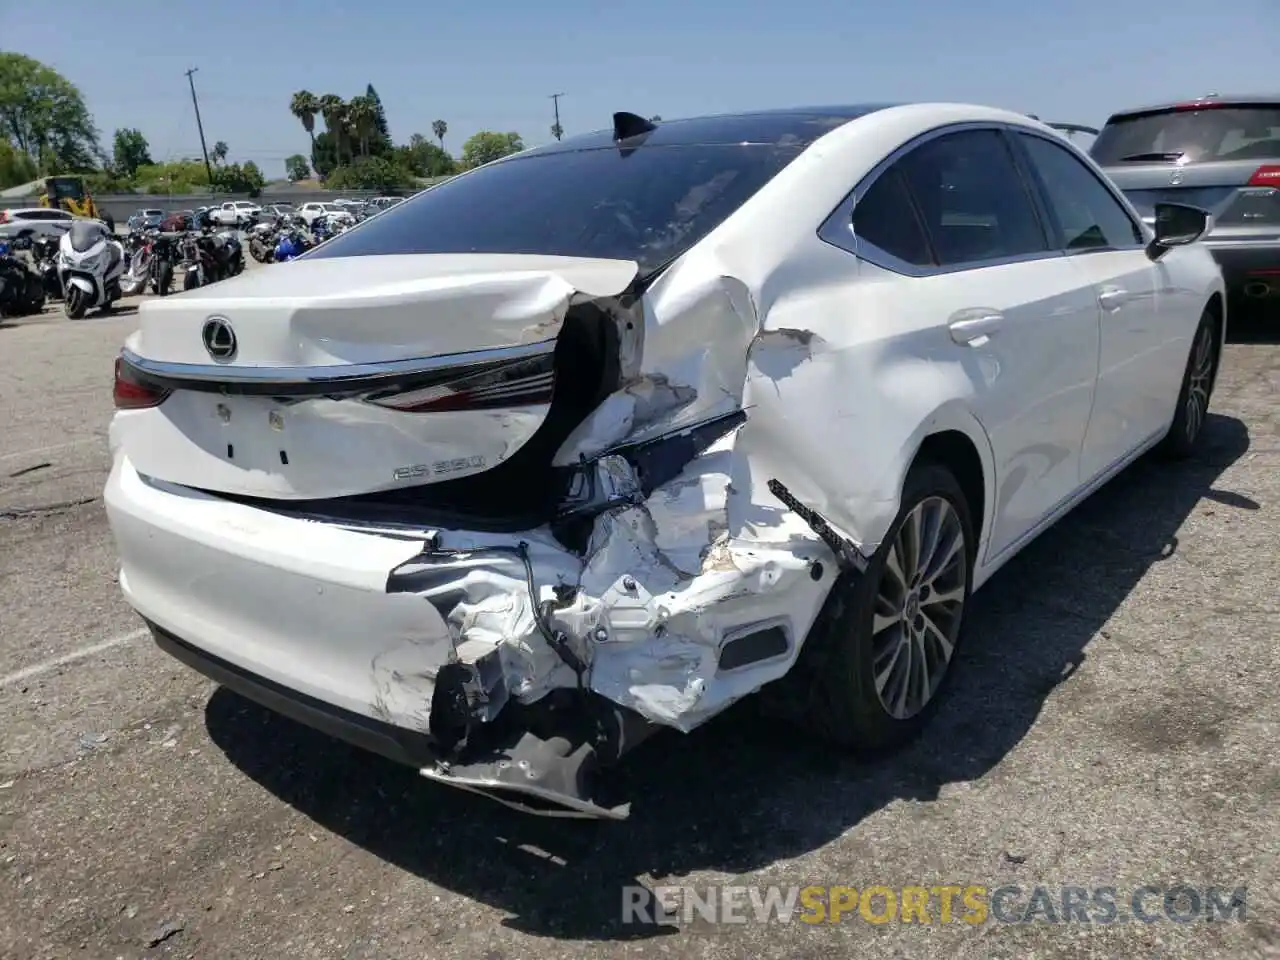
1218,153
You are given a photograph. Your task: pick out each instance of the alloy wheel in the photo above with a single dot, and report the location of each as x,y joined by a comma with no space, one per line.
918,608
1199,382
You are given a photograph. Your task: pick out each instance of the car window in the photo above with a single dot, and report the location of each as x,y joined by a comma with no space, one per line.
649,204
972,198
1241,132
886,218
1088,216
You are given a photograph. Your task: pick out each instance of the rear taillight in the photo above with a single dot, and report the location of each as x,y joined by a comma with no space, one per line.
519,383
1267,175
128,394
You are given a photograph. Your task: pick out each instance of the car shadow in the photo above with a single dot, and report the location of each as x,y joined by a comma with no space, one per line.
1254,322
740,794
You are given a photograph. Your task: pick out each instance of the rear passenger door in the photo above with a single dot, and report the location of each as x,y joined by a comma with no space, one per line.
1019,322
1142,352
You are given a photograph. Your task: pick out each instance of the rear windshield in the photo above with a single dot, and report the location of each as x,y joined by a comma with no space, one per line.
1191,136
650,204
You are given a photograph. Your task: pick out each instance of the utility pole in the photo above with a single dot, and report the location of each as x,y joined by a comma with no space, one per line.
200,126
556,129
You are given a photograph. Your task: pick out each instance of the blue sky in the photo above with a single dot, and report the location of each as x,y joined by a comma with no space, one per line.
492,64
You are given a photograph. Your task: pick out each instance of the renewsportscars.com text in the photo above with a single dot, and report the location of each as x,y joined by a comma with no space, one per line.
972,904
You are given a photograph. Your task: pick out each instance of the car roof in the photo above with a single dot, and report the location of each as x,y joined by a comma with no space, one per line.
1212,100
21,211
798,126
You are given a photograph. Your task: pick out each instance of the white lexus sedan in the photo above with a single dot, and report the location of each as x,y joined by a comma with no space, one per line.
593,441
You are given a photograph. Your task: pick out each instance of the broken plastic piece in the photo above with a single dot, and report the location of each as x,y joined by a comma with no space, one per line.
847,555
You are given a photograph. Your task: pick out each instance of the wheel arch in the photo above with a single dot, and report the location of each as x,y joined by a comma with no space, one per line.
952,437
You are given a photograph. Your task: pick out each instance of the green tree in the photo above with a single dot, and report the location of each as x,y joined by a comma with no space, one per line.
43,115
219,153
439,128
486,146
325,159
16,168
371,173
241,178
304,106
557,131
655,118
130,150
297,167
381,144
334,112
362,115
424,159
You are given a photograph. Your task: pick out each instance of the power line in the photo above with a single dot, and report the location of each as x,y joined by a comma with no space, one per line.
199,125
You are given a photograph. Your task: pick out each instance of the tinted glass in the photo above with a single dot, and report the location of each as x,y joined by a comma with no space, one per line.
1087,215
1191,136
973,199
885,218
649,204
65,188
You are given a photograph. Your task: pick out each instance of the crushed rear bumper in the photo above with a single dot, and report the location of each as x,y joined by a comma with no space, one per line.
543,763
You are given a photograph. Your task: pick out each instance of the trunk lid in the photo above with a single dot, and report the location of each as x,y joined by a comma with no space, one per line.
321,379
1241,210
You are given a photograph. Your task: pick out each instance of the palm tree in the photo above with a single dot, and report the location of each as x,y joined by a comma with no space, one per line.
219,152
439,128
362,115
334,112
305,106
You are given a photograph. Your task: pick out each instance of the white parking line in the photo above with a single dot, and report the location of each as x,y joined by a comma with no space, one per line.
37,669
57,446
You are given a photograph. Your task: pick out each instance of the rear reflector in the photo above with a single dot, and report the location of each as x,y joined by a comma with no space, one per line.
1267,175
131,395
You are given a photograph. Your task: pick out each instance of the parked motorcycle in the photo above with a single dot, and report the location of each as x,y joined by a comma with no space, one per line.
210,257
44,258
292,244
21,291
90,266
262,238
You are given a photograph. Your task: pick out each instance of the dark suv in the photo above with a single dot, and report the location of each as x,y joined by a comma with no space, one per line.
1218,153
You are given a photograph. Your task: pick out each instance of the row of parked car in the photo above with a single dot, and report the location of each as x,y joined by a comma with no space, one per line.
242,214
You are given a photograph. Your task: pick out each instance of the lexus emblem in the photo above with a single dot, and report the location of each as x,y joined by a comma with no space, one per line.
219,338
1175,178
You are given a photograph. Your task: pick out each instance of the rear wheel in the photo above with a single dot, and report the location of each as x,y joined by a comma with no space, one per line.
881,650
190,281
164,279
1197,389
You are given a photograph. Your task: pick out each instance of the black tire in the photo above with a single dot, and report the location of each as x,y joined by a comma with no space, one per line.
190,281
831,691
164,279
1198,380
75,304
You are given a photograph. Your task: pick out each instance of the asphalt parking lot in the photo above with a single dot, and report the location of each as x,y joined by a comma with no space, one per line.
1115,723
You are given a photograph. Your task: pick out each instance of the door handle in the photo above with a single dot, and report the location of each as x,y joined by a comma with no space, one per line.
974,329
1113,298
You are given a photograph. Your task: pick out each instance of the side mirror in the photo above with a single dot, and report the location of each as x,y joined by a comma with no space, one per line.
1177,225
